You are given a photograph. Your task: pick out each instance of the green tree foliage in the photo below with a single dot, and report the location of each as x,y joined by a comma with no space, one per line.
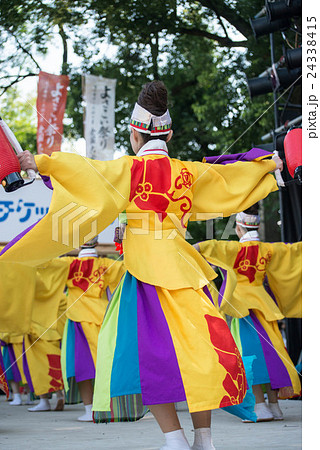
19,115
203,50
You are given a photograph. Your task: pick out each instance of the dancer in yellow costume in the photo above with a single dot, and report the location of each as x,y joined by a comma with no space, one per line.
255,312
42,344
17,291
91,281
162,337
34,357
11,355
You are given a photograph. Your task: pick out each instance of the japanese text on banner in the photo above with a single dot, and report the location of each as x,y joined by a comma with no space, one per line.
51,103
99,94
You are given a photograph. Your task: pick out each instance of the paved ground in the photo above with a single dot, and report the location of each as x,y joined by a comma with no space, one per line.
20,429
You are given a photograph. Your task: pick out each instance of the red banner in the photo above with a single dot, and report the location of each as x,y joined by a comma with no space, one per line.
51,103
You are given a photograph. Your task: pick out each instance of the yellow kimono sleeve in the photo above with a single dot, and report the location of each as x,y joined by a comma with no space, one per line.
17,288
62,317
113,275
284,273
223,254
87,196
222,190
50,283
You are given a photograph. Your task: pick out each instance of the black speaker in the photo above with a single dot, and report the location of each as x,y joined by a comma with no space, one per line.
281,9
262,26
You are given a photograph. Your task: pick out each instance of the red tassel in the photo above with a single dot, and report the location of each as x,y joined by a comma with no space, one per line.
119,248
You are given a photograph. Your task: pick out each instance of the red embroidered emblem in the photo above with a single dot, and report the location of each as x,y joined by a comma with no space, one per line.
81,274
247,263
150,181
184,179
150,184
55,373
235,382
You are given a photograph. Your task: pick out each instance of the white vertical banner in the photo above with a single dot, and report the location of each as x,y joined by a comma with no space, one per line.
99,121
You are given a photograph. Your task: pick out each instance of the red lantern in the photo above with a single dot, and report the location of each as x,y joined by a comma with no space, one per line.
293,150
10,177
9,164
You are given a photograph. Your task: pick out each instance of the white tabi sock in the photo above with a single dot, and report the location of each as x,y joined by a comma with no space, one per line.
43,405
16,400
276,411
202,439
176,440
87,417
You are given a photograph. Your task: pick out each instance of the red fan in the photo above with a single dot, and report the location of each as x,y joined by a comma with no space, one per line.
9,164
293,151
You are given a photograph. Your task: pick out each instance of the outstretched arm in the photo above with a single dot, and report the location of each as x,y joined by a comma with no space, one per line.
87,196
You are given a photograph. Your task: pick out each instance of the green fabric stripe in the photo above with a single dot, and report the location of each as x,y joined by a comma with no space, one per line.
127,408
106,346
235,331
64,356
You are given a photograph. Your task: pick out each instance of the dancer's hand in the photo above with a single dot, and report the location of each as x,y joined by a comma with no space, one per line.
27,161
279,162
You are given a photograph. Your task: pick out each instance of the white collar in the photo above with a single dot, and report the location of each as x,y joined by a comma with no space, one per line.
88,253
252,235
154,147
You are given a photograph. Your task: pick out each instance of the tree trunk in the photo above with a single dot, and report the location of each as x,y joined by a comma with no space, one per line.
64,67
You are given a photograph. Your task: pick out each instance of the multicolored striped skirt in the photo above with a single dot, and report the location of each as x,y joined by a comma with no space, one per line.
35,362
255,336
78,356
166,346
13,362
3,380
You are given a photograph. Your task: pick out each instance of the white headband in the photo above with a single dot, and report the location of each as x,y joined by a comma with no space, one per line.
141,120
248,220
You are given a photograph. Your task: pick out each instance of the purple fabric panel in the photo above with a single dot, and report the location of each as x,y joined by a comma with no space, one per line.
223,285
278,374
26,369
108,293
83,362
268,289
14,366
18,237
47,181
207,292
1,362
229,159
160,376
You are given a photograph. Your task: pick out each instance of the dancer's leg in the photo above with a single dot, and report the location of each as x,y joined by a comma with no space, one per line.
86,392
261,409
273,402
16,401
167,418
258,393
201,419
